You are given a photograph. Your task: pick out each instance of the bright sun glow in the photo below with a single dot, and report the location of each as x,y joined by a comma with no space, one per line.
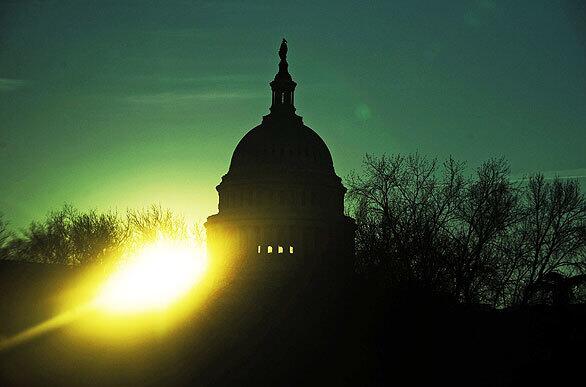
154,278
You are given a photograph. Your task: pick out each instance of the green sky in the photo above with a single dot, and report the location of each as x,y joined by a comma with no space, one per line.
118,104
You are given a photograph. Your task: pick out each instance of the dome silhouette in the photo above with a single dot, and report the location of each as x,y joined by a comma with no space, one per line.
281,146
281,196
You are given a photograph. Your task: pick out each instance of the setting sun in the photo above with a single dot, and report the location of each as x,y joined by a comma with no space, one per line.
154,278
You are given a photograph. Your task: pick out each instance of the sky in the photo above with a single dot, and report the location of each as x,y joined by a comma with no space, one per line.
119,104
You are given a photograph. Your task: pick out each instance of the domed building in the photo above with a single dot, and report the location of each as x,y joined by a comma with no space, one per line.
281,204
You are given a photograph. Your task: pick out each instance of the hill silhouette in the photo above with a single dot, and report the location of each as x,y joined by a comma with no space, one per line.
248,334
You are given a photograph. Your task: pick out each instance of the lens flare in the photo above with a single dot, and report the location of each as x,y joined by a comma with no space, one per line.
154,278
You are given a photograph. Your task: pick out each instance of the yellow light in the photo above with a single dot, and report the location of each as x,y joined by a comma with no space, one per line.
154,278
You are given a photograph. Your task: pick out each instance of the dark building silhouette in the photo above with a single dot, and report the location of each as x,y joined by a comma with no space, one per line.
281,204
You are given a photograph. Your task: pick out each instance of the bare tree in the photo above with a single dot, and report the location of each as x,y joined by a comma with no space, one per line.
48,241
68,237
95,237
199,234
480,239
148,224
402,206
483,215
553,231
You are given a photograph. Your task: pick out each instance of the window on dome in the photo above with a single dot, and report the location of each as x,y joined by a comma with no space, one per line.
259,249
270,249
280,250
290,249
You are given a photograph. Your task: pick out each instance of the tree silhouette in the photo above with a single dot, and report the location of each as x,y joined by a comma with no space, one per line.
552,232
401,208
483,214
48,241
148,224
68,236
482,239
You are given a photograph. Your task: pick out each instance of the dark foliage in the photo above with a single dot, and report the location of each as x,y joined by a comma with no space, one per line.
71,237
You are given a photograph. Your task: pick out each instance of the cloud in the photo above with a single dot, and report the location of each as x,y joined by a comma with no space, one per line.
167,90
579,173
204,79
177,98
7,84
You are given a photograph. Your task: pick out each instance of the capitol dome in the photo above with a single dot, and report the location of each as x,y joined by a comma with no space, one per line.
281,195
281,145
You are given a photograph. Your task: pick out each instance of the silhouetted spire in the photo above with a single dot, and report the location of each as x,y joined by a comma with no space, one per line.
283,50
283,86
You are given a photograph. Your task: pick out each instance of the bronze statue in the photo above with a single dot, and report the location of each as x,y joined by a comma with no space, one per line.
283,50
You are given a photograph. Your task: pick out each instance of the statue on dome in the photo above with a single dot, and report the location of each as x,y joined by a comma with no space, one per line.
283,50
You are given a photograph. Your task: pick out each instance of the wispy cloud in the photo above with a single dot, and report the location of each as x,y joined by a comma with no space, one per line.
7,84
566,174
177,98
579,173
203,79
167,90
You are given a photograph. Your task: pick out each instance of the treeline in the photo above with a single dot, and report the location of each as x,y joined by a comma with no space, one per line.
72,237
425,227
